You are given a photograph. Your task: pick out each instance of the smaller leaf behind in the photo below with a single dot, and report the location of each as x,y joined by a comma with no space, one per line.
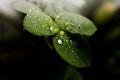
72,74
76,24
66,73
38,23
73,50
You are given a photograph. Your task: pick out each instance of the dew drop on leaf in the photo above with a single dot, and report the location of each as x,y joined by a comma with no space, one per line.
60,41
74,60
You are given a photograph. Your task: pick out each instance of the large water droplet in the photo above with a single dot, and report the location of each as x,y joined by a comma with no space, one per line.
60,41
51,28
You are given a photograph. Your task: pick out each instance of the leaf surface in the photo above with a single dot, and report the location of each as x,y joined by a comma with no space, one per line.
76,24
73,50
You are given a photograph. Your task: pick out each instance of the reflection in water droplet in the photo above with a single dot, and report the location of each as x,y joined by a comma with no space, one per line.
60,41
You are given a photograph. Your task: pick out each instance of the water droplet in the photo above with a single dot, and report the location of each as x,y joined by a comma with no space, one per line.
68,28
38,19
47,28
54,29
57,17
30,10
60,41
77,56
74,60
43,26
51,28
71,41
35,25
62,33
72,51
66,40
79,25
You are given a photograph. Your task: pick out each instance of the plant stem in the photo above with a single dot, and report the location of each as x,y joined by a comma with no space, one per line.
69,69
47,42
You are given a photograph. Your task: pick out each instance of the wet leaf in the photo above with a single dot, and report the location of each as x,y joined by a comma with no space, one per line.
38,23
73,50
75,23
72,74
24,6
54,9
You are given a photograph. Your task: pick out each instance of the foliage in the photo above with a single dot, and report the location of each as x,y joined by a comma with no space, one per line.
65,23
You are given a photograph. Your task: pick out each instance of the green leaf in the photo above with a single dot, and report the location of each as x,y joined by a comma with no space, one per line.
24,6
66,73
73,50
54,9
38,23
72,74
75,23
